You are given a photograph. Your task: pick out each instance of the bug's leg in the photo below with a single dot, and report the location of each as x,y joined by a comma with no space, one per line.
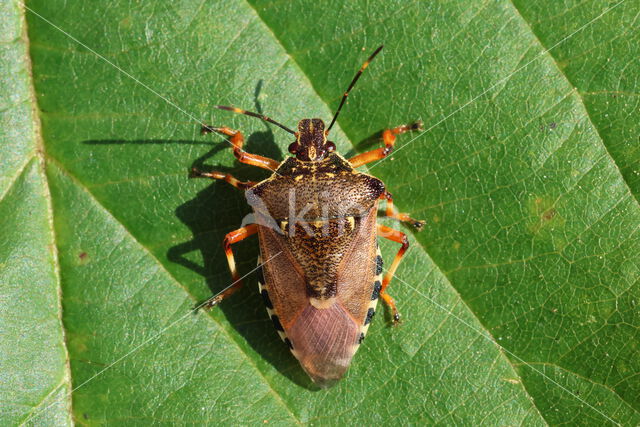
237,140
398,237
389,139
242,185
404,217
231,238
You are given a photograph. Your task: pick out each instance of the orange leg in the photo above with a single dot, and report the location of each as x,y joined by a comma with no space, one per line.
398,237
231,238
390,212
237,140
242,185
389,139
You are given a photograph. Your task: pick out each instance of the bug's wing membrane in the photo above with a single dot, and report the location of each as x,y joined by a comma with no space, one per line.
325,341
357,269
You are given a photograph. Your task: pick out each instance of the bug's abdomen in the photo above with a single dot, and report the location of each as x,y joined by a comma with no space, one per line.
264,293
375,294
323,332
325,339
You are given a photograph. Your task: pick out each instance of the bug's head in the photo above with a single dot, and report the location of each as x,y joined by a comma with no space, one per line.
311,141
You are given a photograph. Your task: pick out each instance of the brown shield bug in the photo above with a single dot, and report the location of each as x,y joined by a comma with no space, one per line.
315,217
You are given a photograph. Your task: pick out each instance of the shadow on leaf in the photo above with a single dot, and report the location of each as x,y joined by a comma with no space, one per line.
209,219
207,215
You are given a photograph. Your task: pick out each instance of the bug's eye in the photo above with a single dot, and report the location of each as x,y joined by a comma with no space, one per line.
293,147
330,147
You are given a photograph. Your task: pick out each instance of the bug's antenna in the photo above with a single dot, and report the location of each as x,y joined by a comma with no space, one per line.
249,113
353,82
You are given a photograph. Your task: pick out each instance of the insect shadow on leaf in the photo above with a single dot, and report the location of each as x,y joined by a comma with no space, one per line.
216,210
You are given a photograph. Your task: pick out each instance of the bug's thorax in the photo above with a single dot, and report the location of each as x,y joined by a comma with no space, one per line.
315,190
317,208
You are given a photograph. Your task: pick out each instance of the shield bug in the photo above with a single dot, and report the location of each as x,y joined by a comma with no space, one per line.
315,217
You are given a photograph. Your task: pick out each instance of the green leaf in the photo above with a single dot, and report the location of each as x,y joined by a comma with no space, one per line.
34,371
520,297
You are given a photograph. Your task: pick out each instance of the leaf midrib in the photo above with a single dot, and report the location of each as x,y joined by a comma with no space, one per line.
39,155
